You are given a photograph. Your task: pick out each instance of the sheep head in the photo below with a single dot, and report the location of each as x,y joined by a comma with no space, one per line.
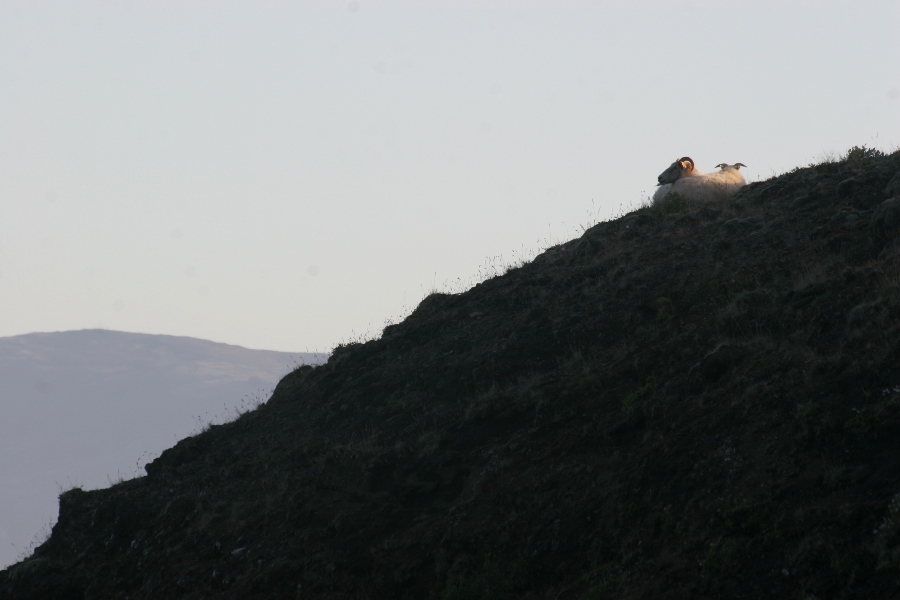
683,167
735,166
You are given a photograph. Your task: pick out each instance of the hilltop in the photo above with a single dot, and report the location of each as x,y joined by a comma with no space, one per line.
690,401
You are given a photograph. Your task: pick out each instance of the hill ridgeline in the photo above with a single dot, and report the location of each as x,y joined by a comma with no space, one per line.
690,401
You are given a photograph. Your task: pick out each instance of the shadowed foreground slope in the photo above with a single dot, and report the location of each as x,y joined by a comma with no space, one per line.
686,402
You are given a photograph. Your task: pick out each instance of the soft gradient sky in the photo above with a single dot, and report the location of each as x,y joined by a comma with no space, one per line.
288,175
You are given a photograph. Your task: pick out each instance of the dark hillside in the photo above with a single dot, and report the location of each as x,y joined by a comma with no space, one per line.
686,402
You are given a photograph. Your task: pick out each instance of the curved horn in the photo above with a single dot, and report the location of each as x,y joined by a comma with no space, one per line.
678,169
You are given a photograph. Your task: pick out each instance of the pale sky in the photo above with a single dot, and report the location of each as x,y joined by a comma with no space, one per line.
289,175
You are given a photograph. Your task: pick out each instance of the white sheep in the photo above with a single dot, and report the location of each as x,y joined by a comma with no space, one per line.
689,183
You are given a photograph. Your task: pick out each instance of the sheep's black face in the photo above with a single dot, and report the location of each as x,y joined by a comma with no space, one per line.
677,170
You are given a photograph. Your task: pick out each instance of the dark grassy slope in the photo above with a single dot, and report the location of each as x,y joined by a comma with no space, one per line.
689,402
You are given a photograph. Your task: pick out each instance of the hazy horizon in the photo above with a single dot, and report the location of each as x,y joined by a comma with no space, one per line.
88,408
161,335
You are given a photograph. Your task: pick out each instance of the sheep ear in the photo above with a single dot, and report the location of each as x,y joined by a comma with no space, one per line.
739,165
722,165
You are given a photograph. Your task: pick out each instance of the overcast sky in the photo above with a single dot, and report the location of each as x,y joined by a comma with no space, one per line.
289,175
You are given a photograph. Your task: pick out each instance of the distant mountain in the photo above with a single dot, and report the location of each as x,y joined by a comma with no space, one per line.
91,407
